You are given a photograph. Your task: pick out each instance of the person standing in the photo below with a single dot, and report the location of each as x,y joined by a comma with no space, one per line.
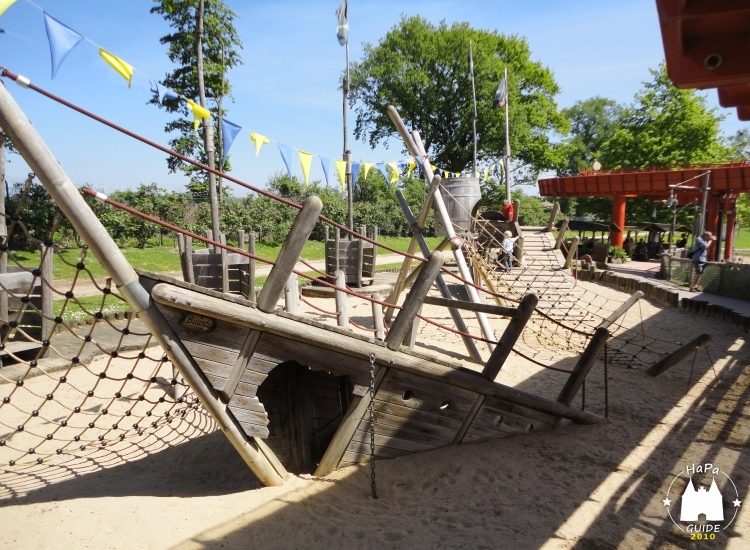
699,256
509,242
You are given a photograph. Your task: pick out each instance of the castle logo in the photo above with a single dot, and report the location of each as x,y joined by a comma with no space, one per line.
705,510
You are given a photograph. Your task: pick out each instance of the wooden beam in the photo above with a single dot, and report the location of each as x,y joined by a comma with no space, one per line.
377,318
224,265
246,353
340,298
499,356
414,301
582,368
289,255
681,354
561,234
251,267
343,436
471,306
622,309
553,216
291,294
571,253
48,326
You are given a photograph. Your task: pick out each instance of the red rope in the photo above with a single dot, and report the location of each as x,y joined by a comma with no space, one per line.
334,313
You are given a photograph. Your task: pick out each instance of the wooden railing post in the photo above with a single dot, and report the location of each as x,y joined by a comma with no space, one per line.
571,253
290,252
48,254
561,234
251,267
224,265
683,353
377,318
553,216
340,297
291,294
516,209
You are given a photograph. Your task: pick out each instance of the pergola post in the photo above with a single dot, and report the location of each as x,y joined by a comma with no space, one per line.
618,218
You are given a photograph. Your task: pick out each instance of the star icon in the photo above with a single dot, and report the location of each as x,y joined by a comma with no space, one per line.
667,502
737,503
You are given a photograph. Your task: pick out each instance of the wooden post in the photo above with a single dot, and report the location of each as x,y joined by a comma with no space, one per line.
251,267
683,353
290,252
516,209
499,356
377,318
68,198
48,325
3,229
340,297
224,265
571,253
337,251
413,301
189,260
361,255
471,347
561,234
553,216
411,335
622,309
241,239
582,368
181,252
210,235
291,294
519,251
374,249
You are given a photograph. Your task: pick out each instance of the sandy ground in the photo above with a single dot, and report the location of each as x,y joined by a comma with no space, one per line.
586,487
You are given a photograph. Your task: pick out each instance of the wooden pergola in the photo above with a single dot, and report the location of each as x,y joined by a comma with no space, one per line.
725,183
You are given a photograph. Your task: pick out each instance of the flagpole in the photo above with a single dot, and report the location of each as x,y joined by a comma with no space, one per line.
474,96
506,160
347,154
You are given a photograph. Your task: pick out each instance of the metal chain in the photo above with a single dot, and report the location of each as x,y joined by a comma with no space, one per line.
372,426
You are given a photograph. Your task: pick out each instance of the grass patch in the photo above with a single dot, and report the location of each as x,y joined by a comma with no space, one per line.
84,307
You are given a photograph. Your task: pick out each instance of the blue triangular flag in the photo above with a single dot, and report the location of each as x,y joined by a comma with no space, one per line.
62,40
326,166
286,154
162,91
381,166
355,172
229,131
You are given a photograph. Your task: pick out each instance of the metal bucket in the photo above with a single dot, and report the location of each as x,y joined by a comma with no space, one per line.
460,195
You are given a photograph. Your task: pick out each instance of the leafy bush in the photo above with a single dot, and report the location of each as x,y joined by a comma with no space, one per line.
617,252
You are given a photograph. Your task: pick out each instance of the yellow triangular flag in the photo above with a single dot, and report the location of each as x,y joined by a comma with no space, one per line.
5,4
367,166
123,69
198,113
486,174
412,166
305,159
394,174
259,141
341,169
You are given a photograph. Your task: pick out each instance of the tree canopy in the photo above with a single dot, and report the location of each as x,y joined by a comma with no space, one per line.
221,45
422,70
665,126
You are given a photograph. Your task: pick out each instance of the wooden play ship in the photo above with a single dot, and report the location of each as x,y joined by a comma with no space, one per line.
293,394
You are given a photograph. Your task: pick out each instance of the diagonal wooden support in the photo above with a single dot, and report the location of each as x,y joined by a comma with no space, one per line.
289,255
455,313
681,354
622,310
499,356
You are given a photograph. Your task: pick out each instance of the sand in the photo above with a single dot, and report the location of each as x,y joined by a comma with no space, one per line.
573,487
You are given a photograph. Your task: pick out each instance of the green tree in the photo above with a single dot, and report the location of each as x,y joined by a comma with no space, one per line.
422,70
665,126
739,143
221,45
743,210
592,123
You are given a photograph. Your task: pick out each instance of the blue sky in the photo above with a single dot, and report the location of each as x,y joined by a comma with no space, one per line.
287,87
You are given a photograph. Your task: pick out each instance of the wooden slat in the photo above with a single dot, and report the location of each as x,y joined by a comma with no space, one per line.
392,442
402,432
212,353
437,421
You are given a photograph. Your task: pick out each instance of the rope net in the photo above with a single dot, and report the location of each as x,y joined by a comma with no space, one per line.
83,384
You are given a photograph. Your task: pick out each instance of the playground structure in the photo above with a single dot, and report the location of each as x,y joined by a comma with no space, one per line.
288,392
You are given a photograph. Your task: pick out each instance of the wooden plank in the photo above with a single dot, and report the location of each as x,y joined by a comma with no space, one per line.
247,403
396,407
298,398
225,334
441,389
500,407
407,423
421,393
471,306
213,368
244,356
359,453
392,442
423,403
679,355
403,431
212,353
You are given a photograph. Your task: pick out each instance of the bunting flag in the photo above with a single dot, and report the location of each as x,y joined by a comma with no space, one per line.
394,174
486,174
381,166
305,159
198,113
367,166
162,91
61,39
342,26
355,172
5,4
326,166
286,155
341,169
501,95
229,131
259,140
412,164
123,69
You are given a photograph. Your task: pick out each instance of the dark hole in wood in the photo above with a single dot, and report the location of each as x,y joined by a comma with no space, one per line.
407,395
498,419
529,428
